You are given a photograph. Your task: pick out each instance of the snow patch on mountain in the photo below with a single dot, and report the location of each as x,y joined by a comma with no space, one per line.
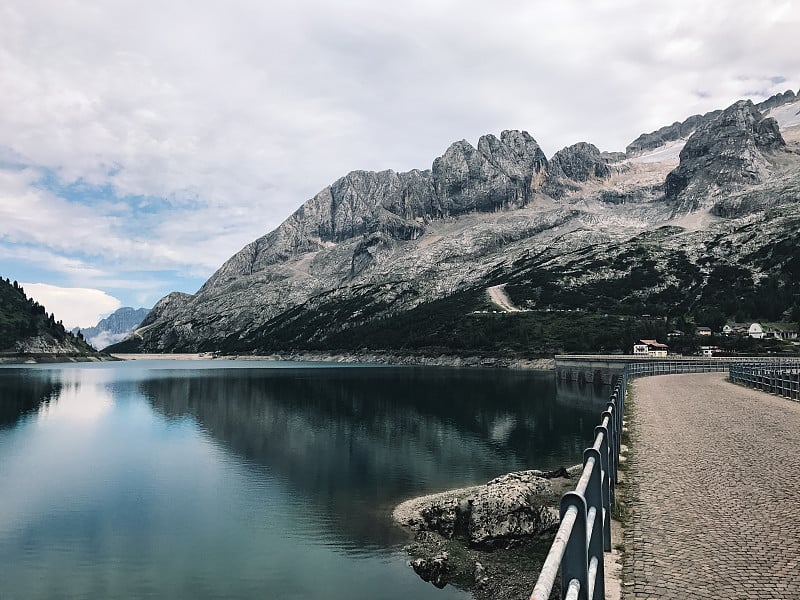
669,152
787,115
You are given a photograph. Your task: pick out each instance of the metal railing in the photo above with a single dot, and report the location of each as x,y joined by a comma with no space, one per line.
585,529
781,379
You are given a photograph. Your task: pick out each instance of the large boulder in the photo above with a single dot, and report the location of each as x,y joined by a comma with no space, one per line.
509,508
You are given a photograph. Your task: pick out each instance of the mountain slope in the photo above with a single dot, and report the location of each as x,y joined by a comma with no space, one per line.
403,260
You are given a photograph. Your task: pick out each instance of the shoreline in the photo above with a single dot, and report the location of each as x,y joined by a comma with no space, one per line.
368,358
38,359
501,571
488,539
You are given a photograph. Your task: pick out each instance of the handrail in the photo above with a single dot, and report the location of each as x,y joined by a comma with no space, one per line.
584,533
783,379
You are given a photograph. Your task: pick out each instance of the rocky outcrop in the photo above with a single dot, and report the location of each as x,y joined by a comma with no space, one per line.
474,537
579,162
499,173
613,157
723,155
777,100
435,569
683,129
167,308
767,197
678,130
512,507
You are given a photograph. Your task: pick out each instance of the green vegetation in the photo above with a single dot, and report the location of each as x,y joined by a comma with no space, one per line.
22,318
599,298
462,324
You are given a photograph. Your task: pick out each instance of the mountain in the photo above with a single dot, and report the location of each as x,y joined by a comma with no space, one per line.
115,327
26,328
695,222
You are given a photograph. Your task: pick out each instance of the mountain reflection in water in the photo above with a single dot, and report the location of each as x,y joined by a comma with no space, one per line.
221,479
356,440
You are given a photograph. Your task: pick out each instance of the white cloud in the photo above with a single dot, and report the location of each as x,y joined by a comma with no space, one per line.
219,119
76,307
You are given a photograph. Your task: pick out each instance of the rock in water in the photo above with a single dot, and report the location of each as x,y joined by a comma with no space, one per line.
510,508
435,570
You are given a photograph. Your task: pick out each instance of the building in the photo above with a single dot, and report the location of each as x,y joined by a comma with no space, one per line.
703,331
650,348
735,328
781,331
757,331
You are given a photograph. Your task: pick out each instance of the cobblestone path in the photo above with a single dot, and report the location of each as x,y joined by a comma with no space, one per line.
714,491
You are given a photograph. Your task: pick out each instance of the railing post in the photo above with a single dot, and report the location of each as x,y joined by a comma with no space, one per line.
594,499
599,541
613,441
607,482
575,564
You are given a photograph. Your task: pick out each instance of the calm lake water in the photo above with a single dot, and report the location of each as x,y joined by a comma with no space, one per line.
221,479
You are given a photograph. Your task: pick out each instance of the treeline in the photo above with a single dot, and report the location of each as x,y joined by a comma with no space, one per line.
22,318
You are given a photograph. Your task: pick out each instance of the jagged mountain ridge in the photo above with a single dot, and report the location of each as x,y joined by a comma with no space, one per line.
114,328
373,246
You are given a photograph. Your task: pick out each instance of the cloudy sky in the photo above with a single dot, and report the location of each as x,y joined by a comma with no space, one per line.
143,143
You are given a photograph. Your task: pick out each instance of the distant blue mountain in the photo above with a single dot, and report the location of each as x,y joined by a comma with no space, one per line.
115,327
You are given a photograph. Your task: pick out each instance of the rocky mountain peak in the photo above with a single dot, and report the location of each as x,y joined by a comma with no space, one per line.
391,253
722,155
499,173
579,162
669,133
777,100
168,306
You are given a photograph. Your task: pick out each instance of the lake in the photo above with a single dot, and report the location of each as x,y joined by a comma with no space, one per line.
238,479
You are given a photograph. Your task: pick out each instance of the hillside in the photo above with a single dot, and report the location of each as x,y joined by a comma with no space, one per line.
27,329
694,223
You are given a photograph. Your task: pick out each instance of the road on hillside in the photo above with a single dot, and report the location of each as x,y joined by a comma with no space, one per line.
497,294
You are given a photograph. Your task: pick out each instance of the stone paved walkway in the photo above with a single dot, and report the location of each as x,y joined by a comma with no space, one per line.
714,487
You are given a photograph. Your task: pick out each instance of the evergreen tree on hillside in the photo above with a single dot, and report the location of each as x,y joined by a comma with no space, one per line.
22,318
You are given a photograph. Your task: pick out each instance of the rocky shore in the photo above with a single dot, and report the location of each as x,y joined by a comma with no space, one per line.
26,358
489,539
443,360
